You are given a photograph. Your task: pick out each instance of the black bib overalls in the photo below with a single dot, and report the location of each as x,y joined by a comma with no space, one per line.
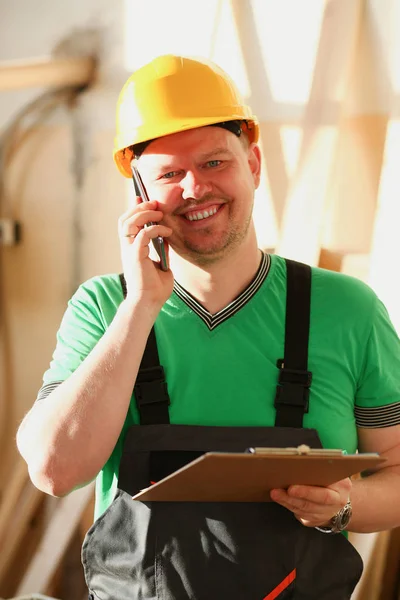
216,551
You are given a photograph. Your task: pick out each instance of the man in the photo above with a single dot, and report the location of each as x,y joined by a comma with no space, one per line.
213,328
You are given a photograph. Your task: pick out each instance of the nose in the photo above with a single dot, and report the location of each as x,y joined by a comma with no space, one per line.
194,185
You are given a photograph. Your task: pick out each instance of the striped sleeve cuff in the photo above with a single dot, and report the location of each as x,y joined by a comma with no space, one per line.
380,416
46,389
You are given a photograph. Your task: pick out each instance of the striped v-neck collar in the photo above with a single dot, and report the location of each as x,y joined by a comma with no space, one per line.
216,319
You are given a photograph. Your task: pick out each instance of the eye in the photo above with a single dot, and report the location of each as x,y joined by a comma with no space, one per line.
169,175
214,163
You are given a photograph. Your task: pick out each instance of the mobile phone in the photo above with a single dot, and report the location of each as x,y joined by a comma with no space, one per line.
158,242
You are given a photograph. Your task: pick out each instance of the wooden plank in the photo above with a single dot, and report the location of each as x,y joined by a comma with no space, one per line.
18,522
330,260
373,550
390,587
50,72
386,240
12,494
55,541
26,549
305,204
86,520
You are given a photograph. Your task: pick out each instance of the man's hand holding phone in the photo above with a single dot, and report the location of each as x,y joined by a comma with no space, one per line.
158,242
145,279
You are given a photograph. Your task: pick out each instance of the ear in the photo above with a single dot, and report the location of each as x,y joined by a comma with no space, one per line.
254,159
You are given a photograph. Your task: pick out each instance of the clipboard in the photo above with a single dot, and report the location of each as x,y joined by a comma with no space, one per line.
251,475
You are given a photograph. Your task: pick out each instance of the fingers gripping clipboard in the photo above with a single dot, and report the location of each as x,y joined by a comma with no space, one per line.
249,476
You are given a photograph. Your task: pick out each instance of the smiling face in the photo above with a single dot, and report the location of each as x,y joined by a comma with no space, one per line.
204,180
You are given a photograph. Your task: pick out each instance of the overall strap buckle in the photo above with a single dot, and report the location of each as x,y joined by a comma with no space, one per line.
151,386
293,389
151,395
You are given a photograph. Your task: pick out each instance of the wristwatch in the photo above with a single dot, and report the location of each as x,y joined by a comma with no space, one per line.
339,521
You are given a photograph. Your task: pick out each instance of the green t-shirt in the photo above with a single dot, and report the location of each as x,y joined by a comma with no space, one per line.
221,369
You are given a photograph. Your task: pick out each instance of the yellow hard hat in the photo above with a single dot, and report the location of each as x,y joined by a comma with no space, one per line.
171,94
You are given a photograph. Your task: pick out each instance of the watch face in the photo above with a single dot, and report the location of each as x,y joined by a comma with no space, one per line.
343,517
346,515
340,521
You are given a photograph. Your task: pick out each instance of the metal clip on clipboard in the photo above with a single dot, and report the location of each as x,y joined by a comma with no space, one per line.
302,450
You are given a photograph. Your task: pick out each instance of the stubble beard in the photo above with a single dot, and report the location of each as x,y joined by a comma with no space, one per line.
204,255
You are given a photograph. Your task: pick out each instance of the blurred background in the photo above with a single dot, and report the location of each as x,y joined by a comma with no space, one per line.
323,77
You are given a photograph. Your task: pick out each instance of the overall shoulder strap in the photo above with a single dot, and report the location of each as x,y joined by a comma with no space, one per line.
150,389
292,395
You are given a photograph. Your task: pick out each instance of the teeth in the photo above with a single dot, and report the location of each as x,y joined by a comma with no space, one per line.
201,215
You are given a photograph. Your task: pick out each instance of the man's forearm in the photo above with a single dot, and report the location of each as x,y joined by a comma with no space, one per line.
376,502
68,436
